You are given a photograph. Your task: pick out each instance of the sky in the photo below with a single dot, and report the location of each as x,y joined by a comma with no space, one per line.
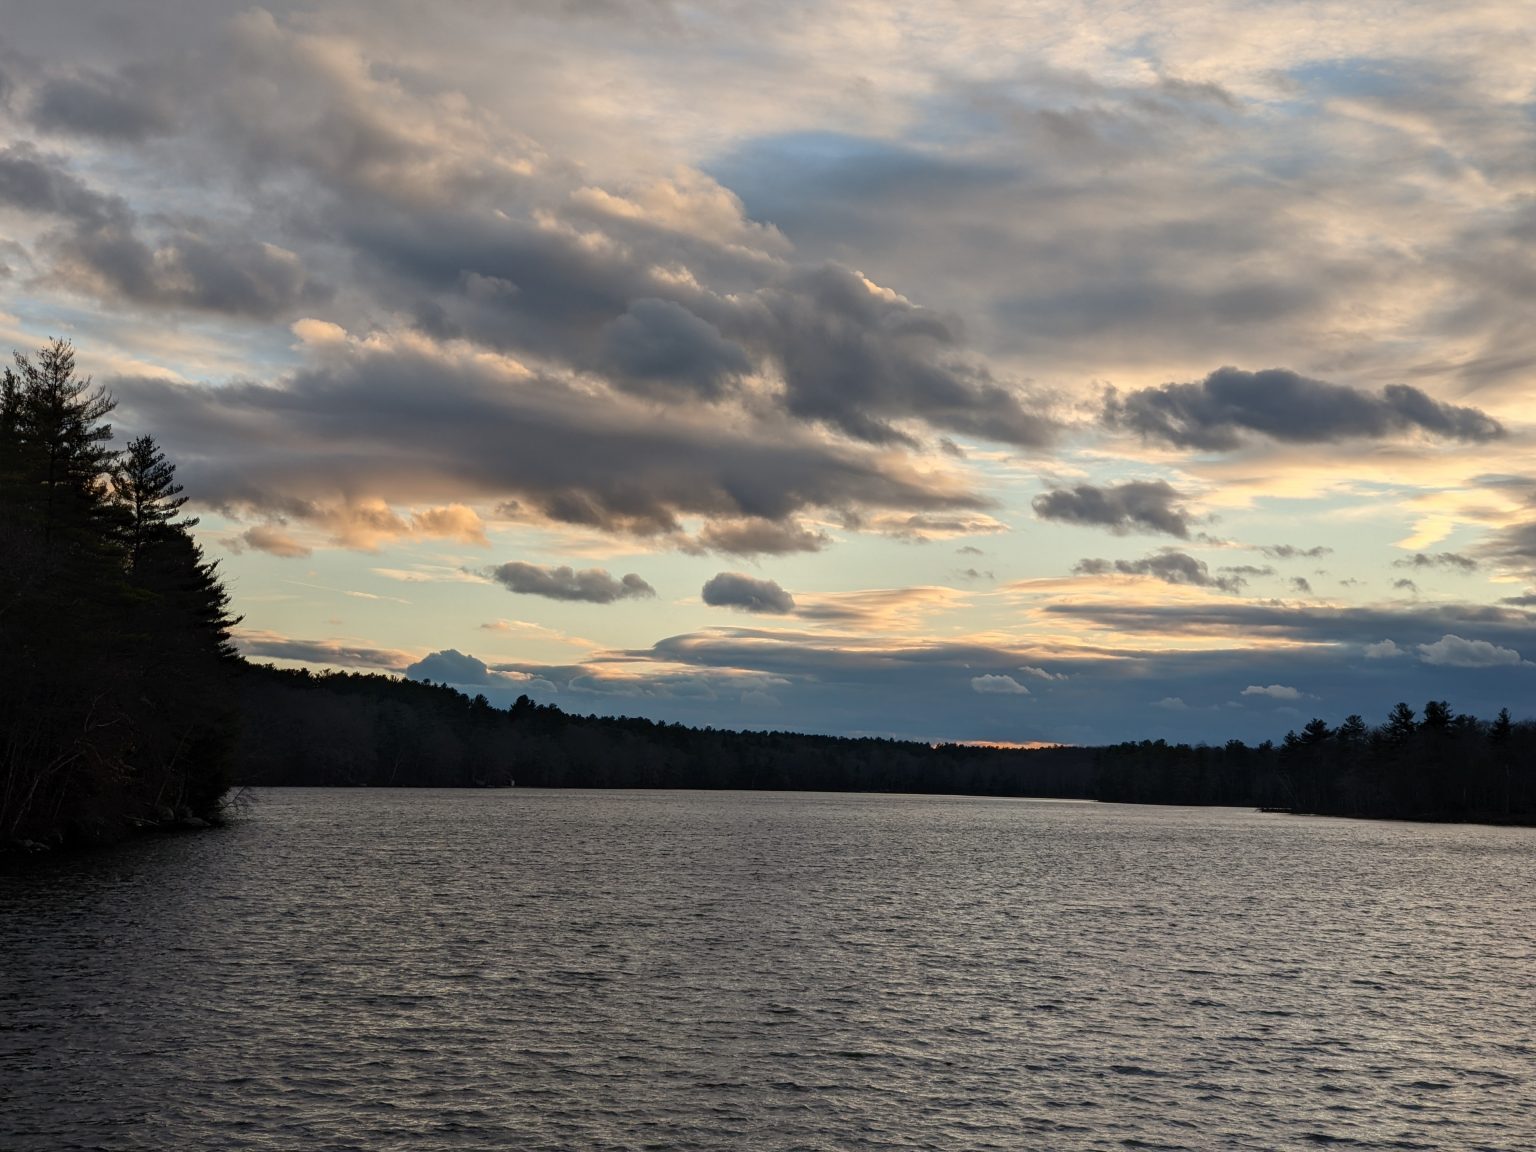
1057,371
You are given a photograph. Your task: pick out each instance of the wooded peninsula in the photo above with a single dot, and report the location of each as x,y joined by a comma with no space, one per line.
124,704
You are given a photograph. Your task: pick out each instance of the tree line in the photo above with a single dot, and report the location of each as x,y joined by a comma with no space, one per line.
117,705
1438,766
348,729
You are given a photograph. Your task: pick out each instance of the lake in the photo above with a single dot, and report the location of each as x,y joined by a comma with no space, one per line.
422,970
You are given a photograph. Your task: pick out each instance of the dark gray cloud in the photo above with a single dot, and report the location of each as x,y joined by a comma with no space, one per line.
1453,560
131,105
1169,566
858,359
590,585
1230,404
659,347
1136,506
1312,623
760,537
332,653
36,181
100,250
1513,547
450,666
364,421
186,268
1301,584
736,590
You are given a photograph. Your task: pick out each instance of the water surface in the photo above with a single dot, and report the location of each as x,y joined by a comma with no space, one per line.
420,970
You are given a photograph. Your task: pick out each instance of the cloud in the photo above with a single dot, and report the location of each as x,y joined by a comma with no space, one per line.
1384,650
1241,623
659,347
1172,704
358,420
758,537
1041,673
1454,560
131,105
1229,405
271,539
366,524
1454,652
1513,547
452,522
528,634
1301,584
450,666
924,527
863,680
99,250
990,685
1136,506
878,610
590,585
1169,566
333,653
1273,691
374,596
664,286
858,357
735,590
1292,552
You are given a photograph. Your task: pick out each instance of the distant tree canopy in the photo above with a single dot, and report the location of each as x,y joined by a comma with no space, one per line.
116,697
1443,767
349,729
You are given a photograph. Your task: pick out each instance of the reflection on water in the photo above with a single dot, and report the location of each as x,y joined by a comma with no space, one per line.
557,970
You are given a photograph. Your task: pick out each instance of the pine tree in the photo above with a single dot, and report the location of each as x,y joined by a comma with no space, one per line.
59,439
144,487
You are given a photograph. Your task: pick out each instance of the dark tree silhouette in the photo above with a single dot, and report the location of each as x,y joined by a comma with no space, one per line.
1447,767
58,438
116,707
144,487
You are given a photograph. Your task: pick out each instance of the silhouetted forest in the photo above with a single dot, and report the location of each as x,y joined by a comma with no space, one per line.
348,729
124,705
117,707
1441,766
